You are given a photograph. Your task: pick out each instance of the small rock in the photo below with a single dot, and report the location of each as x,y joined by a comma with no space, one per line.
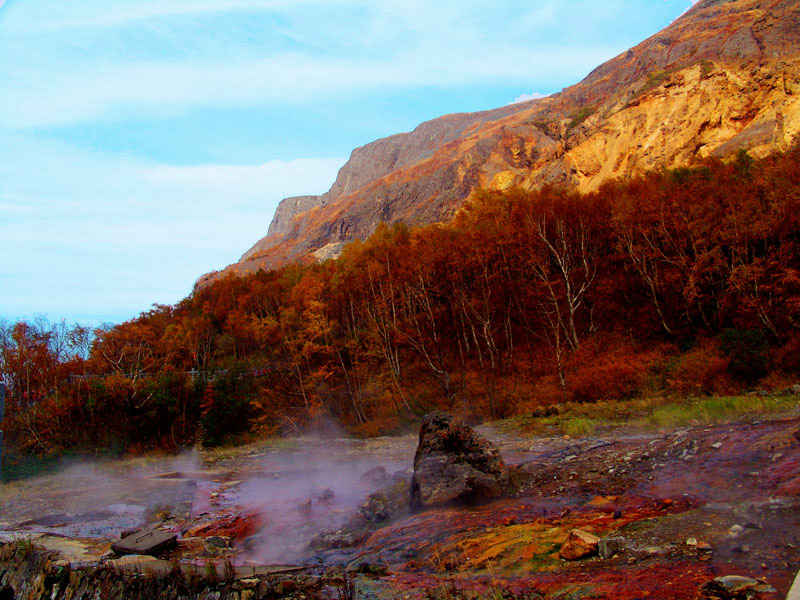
326,496
609,546
145,541
579,544
248,584
377,476
691,542
217,541
732,587
717,445
216,544
735,531
375,508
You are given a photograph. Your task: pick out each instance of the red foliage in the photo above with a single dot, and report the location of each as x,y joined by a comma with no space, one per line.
521,301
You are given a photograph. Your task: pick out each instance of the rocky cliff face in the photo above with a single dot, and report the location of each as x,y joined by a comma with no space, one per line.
724,76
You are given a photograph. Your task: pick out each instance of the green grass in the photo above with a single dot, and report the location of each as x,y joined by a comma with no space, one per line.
718,410
22,466
578,426
582,420
580,115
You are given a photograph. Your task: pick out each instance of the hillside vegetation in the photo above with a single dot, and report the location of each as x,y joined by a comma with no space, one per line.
678,283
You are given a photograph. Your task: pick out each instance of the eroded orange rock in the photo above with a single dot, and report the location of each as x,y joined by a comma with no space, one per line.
579,544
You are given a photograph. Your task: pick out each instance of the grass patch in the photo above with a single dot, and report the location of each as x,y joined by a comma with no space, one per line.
581,420
654,79
718,410
579,116
578,426
22,466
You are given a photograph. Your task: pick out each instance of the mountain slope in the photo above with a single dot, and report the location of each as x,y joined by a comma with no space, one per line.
724,76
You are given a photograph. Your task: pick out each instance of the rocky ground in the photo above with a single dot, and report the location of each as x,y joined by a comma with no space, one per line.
629,514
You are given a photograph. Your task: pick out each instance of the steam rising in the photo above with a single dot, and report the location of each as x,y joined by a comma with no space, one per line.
295,490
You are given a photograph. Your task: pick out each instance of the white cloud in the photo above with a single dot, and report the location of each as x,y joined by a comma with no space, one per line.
34,99
526,97
44,17
86,232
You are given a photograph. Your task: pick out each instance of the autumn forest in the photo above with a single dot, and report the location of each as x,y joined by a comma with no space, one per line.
680,282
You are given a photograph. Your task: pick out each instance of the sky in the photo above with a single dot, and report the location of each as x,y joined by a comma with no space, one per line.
146,142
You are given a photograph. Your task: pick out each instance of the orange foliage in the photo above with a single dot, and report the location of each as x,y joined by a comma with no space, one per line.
525,299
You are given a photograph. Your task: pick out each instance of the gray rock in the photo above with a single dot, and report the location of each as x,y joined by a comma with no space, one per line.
377,476
145,541
735,587
454,464
609,546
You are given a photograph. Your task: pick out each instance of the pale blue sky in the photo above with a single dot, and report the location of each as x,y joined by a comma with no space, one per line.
145,142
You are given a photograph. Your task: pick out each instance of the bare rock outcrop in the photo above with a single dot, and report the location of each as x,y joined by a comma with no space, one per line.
455,464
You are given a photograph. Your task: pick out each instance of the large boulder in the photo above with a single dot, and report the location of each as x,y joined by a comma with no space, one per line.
455,464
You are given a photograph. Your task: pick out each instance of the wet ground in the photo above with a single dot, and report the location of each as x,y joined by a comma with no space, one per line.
680,508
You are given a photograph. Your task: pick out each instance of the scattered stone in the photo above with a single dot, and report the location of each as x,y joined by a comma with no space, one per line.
735,587
145,541
579,544
454,464
609,546
691,541
717,445
375,508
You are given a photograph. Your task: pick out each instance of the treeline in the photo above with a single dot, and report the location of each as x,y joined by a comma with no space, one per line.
683,281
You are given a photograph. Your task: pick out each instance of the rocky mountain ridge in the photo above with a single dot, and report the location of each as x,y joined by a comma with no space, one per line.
724,76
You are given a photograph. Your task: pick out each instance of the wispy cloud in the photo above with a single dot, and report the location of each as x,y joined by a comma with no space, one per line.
526,97
165,58
94,227
39,98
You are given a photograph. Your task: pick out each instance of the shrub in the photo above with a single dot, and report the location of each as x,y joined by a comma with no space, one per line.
746,350
701,370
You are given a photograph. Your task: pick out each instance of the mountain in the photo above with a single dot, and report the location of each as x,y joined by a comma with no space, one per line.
724,76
